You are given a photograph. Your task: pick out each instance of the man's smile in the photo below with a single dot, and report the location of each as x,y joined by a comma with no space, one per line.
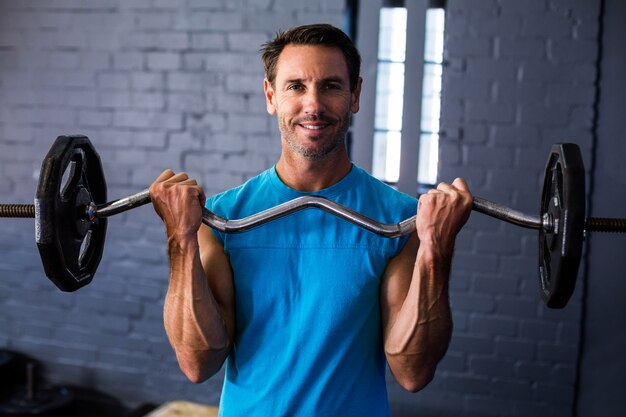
314,127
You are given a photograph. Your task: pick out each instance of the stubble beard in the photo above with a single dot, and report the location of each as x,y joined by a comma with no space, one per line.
317,154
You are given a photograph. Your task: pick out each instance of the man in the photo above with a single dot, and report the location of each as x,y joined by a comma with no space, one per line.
307,308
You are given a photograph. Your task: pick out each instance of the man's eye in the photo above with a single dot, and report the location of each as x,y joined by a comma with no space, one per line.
295,87
333,86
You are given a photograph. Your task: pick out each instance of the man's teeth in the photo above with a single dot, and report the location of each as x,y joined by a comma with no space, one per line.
314,127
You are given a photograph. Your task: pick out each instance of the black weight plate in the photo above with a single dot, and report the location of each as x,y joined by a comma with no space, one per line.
563,201
69,245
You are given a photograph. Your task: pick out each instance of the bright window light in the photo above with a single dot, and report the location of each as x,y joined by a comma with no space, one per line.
389,93
431,97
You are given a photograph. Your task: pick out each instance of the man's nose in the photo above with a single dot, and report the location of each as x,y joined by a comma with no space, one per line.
314,101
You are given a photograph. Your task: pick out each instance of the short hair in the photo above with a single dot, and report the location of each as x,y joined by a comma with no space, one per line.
316,34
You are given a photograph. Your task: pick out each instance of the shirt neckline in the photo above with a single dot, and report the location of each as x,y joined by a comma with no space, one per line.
334,190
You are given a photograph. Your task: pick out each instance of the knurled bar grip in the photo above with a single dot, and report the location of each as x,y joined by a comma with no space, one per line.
17,210
603,224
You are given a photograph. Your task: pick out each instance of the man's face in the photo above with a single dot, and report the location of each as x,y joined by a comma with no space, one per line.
311,97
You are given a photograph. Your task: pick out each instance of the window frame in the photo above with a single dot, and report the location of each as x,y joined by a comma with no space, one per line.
362,137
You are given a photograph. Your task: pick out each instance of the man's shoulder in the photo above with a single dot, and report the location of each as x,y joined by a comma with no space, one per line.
233,196
382,189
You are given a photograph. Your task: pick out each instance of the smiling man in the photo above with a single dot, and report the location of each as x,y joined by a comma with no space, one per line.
308,310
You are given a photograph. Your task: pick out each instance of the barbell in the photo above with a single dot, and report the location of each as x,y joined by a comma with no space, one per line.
71,211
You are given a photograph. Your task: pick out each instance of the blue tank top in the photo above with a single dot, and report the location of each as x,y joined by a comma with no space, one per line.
308,327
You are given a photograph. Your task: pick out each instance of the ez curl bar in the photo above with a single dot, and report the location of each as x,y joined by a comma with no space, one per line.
70,212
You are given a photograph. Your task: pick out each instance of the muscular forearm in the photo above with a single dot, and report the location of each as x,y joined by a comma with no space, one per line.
420,335
193,319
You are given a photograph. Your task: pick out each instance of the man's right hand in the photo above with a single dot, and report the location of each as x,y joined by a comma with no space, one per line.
178,200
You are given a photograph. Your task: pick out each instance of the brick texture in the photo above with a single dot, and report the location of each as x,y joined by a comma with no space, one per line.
522,78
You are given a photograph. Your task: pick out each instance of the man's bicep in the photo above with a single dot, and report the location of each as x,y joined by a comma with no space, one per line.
218,272
396,281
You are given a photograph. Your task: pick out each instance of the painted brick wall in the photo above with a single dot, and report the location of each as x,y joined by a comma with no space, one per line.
520,77
154,84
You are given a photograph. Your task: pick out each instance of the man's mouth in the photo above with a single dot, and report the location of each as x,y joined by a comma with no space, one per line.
314,125
318,126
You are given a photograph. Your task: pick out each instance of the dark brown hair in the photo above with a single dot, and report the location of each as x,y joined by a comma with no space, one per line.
316,34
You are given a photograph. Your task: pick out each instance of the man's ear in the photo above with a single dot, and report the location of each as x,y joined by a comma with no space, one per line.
356,96
269,97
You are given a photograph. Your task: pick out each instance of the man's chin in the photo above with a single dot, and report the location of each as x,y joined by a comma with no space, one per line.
318,152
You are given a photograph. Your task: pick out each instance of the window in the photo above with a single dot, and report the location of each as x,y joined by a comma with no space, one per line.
431,97
396,133
389,94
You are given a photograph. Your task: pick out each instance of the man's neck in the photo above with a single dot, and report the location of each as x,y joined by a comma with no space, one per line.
305,174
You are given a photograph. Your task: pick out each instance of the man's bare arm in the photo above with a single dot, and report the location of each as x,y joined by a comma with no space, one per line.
199,306
417,323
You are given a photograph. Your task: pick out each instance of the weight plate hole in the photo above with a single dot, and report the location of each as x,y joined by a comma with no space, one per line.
68,175
84,248
547,261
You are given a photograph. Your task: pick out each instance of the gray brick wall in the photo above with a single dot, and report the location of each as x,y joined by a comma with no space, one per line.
520,78
154,84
